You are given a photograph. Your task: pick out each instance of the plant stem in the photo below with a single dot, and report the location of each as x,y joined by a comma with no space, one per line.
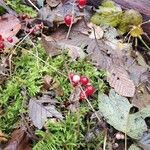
144,43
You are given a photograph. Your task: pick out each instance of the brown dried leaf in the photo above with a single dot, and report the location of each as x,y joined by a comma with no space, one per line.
53,3
142,97
120,81
3,137
9,25
19,141
42,109
47,82
51,46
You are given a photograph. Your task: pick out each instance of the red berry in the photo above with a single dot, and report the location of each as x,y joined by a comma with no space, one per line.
76,78
81,3
2,45
82,95
10,39
89,90
84,80
68,20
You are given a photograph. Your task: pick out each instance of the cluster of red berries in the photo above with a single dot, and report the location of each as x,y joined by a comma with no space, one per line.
88,89
68,19
2,46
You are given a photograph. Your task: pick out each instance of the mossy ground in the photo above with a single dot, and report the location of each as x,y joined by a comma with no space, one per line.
27,72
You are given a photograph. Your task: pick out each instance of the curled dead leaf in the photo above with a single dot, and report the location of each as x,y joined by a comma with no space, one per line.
20,140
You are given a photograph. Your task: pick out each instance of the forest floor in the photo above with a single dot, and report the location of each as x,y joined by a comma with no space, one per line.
74,75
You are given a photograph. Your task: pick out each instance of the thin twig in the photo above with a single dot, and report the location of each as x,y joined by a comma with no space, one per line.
72,19
33,5
105,141
53,68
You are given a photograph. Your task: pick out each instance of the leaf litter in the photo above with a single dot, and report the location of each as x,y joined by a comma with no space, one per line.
41,109
127,75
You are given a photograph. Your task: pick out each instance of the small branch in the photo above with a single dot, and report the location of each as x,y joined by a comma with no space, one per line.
33,5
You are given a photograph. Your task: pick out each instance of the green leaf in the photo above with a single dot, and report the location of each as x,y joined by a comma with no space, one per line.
115,110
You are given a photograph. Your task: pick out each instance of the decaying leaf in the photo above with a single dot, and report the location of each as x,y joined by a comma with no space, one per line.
115,109
47,82
51,46
53,3
56,16
3,137
141,98
9,26
120,81
145,142
20,140
42,109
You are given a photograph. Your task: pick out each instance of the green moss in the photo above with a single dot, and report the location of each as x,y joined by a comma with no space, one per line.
108,14
20,8
130,18
28,73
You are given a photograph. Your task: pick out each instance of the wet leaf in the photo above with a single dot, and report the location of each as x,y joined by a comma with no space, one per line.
19,141
115,109
41,109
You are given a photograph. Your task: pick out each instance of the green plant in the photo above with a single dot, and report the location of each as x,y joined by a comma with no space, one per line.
20,8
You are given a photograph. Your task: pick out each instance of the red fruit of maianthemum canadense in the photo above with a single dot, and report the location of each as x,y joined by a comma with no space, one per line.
84,80
68,19
89,90
81,3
